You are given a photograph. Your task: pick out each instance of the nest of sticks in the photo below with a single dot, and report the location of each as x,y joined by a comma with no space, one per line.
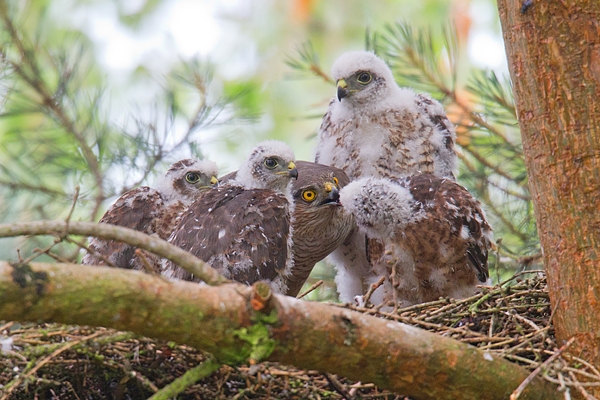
51,361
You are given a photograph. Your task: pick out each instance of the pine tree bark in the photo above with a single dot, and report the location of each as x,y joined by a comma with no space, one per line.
553,50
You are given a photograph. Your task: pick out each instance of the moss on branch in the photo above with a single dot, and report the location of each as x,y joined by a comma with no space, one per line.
308,335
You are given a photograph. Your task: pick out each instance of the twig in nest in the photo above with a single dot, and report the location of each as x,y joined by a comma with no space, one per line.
582,361
372,288
473,308
192,376
310,289
44,361
515,395
523,319
337,386
395,284
580,387
72,389
6,326
533,271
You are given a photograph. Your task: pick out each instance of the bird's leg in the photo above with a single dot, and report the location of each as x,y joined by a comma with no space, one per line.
395,285
372,288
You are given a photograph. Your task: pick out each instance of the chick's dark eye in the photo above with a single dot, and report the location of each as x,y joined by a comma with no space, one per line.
364,78
192,177
271,163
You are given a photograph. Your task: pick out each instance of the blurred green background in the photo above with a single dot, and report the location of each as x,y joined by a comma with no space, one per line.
105,94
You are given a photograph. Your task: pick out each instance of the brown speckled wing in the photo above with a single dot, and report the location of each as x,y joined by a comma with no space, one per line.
136,209
438,118
450,205
241,233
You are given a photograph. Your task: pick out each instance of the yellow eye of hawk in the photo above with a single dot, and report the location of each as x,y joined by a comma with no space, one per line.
309,195
192,177
364,78
335,180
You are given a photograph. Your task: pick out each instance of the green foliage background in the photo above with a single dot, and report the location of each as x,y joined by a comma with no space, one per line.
67,120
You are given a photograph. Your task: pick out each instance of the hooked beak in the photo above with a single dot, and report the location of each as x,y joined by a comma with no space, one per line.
342,89
333,195
212,183
292,171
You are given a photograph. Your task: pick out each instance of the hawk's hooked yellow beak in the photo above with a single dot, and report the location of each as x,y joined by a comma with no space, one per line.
333,194
342,89
292,171
212,183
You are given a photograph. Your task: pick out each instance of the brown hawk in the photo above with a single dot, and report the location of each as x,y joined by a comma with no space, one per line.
152,211
320,225
375,128
243,228
435,236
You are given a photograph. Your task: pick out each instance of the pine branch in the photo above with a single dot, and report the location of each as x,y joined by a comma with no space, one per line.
225,322
481,159
32,188
196,76
132,237
307,60
487,86
483,177
49,102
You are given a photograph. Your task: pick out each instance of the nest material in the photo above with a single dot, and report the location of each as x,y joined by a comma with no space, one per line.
51,361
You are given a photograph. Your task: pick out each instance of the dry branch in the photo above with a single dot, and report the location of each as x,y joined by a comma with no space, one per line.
221,320
111,232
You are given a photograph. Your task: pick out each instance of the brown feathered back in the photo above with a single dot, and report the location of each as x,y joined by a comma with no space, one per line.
434,236
241,233
151,211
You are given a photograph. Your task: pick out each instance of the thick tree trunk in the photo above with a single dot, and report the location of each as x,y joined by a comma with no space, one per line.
553,51
222,320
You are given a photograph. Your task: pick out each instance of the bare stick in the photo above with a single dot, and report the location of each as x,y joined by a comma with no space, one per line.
372,288
515,395
132,237
44,361
310,289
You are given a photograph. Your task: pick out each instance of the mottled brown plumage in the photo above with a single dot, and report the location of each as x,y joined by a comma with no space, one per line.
152,211
379,129
243,228
375,128
434,233
320,223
